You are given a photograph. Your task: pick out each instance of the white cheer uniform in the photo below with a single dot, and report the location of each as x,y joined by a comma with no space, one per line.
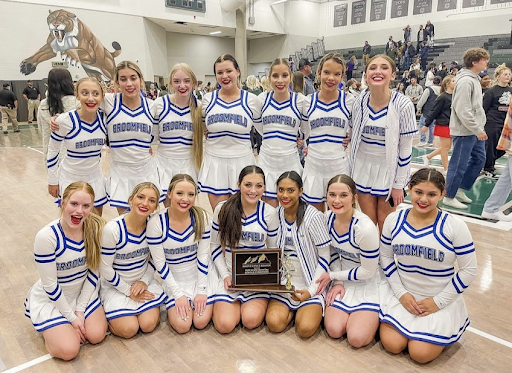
326,157
125,259
130,136
259,231
181,261
66,284
282,124
355,263
82,143
381,144
422,262
228,146
308,248
175,130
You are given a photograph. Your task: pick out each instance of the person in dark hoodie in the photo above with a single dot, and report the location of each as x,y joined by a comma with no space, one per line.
467,121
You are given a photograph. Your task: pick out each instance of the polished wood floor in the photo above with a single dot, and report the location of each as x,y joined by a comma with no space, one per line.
26,207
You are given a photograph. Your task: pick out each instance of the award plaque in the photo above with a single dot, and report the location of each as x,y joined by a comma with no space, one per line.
258,270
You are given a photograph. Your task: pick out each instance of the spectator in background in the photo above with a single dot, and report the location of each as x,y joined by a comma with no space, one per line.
367,49
199,91
429,78
414,91
421,37
253,85
392,52
429,33
407,33
8,108
152,92
305,68
424,56
163,91
410,52
352,87
454,65
33,97
265,84
443,70
425,105
390,43
351,64
400,87
496,104
485,81
298,82
405,79
467,122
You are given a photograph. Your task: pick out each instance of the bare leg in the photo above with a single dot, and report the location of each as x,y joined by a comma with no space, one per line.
124,327
335,322
446,145
62,341
319,206
368,204
424,352
200,322
177,323
149,320
214,199
96,326
253,312
99,210
361,328
391,339
307,320
226,316
278,316
383,210
271,201
121,210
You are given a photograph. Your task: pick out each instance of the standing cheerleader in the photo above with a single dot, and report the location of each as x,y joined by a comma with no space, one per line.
63,305
83,134
422,307
383,125
130,126
179,127
229,114
353,300
281,117
328,112
304,242
242,222
179,240
129,292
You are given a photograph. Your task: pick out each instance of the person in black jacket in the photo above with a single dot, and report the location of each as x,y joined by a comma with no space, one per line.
496,101
440,113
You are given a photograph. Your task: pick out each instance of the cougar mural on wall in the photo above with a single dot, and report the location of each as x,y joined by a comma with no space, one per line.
77,46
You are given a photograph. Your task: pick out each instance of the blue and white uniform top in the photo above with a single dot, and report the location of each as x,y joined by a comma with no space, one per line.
354,254
373,137
82,143
179,258
229,124
422,262
259,231
130,132
66,283
328,125
282,124
175,129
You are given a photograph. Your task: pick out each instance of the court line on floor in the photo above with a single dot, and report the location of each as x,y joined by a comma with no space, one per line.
490,337
36,150
28,364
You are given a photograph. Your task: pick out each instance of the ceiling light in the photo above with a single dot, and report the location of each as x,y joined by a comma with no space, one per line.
278,2
215,32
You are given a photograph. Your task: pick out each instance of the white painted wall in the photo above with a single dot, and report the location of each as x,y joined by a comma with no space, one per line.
155,49
200,52
257,68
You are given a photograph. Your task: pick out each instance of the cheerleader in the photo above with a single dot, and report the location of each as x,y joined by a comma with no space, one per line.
383,125
83,134
422,307
229,114
281,118
63,305
180,127
304,242
129,292
242,222
353,300
329,113
130,127
179,240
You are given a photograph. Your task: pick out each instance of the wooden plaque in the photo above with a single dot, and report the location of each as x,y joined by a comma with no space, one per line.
257,270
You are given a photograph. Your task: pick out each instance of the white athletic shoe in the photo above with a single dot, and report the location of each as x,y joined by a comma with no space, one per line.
498,215
426,161
421,144
461,196
452,202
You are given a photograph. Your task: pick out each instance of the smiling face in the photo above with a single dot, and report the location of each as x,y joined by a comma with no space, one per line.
129,82
144,202
182,197
181,84
76,209
340,199
227,75
252,188
379,73
90,95
280,78
288,193
330,75
425,196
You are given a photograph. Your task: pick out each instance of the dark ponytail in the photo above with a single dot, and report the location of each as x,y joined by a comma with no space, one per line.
295,177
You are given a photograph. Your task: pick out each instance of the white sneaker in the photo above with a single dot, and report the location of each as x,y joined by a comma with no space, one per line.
426,161
461,196
498,215
452,202
421,144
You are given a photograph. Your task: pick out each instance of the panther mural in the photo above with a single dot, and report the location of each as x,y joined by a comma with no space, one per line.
77,46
